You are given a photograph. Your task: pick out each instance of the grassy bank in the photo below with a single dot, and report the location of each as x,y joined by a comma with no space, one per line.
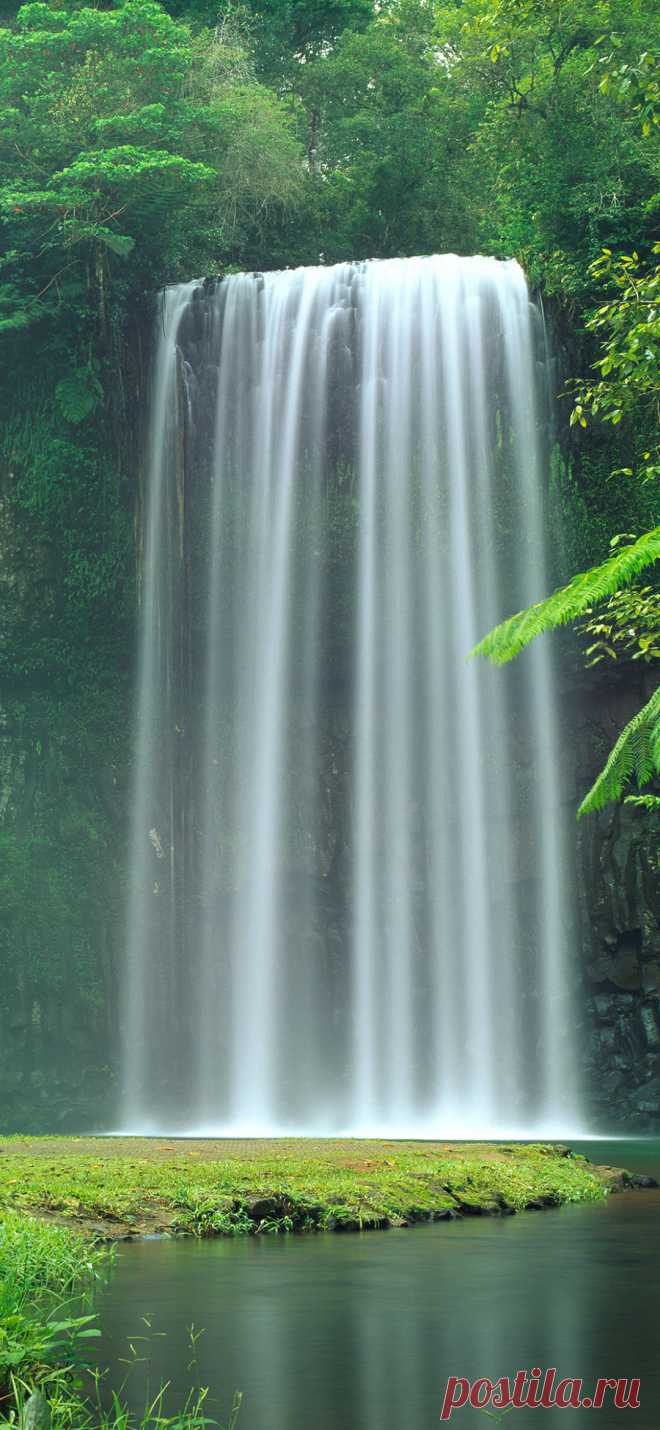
130,1186
44,1271
58,1196
45,1330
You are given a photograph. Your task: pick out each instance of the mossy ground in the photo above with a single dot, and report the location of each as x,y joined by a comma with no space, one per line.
118,1187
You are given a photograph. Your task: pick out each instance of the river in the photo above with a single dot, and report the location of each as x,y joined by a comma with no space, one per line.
362,1331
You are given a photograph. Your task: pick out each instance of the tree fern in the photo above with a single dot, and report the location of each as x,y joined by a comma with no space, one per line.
78,394
635,754
575,599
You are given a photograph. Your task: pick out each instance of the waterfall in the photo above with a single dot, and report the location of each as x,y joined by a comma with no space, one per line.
349,910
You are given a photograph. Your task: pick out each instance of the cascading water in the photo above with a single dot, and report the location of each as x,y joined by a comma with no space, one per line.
347,911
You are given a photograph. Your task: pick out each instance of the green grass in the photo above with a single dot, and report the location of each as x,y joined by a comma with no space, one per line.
287,1186
69,1410
38,1257
210,1189
45,1271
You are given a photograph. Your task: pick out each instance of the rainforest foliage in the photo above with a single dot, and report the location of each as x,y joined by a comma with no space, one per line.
624,614
142,144
139,147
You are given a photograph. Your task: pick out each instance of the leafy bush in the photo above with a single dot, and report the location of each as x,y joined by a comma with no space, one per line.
39,1264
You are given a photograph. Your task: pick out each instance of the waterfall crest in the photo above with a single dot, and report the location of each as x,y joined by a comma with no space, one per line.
347,907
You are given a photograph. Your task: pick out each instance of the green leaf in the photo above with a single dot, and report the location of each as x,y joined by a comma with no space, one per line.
584,590
119,243
78,394
636,754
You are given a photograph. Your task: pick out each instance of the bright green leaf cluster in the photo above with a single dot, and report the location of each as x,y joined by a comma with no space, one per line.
571,601
636,755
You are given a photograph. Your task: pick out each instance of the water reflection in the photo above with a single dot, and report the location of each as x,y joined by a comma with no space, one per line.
362,1332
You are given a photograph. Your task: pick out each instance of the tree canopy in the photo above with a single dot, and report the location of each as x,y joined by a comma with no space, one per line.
145,143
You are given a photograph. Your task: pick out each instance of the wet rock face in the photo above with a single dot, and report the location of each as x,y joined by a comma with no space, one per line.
62,841
619,894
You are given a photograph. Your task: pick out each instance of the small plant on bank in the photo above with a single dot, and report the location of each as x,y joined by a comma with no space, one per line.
42,1346
68,1409
30,1345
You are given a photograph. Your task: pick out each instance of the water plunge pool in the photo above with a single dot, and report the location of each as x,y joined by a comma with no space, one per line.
361,1332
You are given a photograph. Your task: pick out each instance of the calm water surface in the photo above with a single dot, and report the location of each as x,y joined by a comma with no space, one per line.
360,1332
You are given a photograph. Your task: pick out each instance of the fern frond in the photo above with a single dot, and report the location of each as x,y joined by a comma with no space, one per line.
78,394
582,592
650,802
636,753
